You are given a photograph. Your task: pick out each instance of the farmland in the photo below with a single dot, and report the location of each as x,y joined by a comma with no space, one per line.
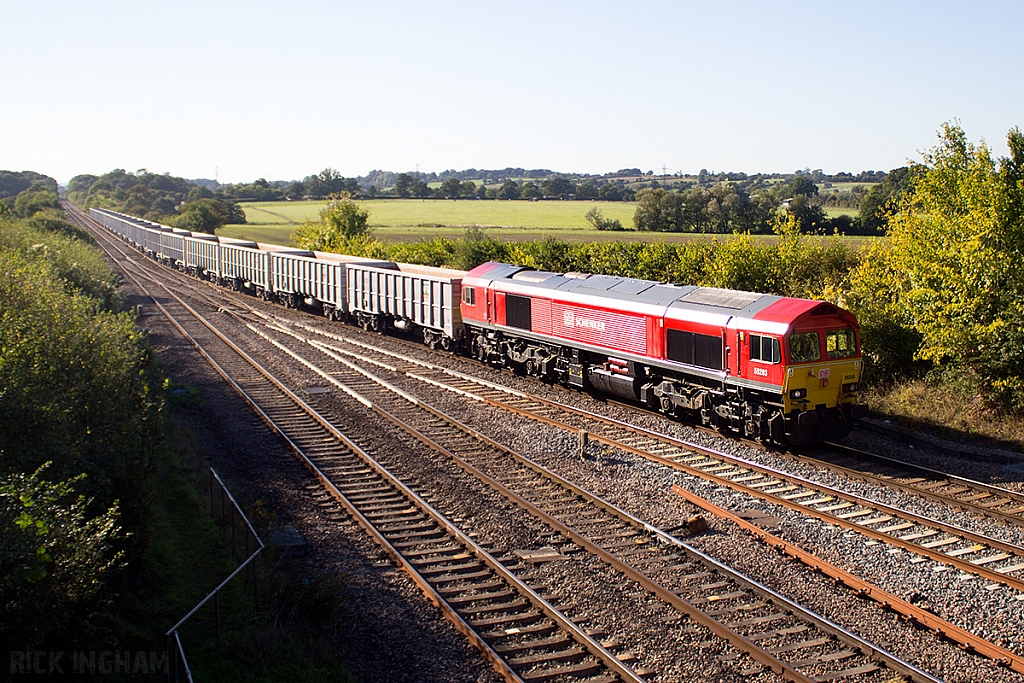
412,220
507,221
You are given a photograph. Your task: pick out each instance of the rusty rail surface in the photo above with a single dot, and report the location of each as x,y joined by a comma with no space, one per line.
760,655
923,617
621,671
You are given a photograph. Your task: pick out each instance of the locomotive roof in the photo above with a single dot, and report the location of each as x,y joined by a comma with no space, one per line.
728,302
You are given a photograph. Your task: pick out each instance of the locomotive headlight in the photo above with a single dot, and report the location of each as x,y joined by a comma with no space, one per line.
798,393
849,387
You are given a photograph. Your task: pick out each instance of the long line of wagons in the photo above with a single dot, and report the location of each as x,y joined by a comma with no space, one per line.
778,369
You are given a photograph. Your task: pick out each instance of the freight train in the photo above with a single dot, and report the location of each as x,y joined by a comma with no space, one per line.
777,369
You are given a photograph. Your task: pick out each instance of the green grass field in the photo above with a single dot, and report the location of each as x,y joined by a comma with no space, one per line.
833,211
412,220
407,213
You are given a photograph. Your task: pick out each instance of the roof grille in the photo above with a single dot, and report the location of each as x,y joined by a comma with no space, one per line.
724,298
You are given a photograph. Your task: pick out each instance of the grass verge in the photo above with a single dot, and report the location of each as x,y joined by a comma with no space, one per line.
287,639
946,411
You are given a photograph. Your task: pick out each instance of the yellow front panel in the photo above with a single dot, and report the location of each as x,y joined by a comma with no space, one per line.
814,376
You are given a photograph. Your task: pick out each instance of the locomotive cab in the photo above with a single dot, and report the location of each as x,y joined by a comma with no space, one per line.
822,377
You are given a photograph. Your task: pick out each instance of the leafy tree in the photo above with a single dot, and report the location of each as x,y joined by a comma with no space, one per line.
810,217
801,185
881,200
343,222
296,190
199,192
597,219
530,191
207,215
609,192
659,210
477,247
403,185
952,270
420,189
36,198
450,189
558,187
13,183
586,191
508,190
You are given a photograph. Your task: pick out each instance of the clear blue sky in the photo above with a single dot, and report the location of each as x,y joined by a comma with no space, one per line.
281,90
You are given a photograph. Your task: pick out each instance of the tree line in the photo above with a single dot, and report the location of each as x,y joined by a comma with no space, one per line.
161,198
729,207
705,203
941,295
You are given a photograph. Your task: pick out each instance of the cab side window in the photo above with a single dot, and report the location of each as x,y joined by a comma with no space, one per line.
766,349
468,296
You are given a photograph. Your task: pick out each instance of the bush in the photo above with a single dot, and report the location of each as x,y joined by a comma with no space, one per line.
75,398
947,283
597,219
35,199
48,238
55,559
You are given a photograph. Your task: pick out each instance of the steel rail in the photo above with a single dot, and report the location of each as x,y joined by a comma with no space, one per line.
941,557
936,480
663,593
1015,517
673,462
923,617
606,657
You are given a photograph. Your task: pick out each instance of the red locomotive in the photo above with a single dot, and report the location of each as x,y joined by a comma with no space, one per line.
773,368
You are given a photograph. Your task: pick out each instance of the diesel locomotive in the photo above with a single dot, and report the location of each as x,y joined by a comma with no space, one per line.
778,369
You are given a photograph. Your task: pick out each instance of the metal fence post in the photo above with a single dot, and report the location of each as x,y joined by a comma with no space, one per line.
256,584
216,611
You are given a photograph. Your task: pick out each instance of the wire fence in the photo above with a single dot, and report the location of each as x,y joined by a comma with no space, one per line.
228,514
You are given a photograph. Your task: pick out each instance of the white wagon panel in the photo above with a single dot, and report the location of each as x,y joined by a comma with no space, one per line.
428,297
201,253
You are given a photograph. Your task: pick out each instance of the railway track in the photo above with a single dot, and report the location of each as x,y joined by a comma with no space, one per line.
442,377
968,494
932,539
774,631
627,537
774,628
442,559
515,627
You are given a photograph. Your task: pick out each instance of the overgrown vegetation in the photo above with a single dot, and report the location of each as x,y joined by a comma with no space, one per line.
78,428
343,227
945,291
105,540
